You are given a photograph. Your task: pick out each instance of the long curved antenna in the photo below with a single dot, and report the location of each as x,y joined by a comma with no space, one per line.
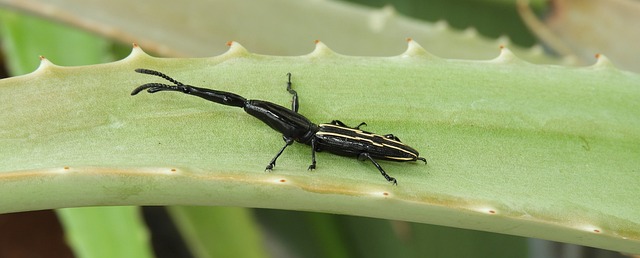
221,97
159,74
155,87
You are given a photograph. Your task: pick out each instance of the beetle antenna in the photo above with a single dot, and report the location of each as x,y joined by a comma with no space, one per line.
159,74
154,87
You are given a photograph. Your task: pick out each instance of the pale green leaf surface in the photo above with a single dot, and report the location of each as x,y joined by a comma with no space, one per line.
515,148
91,232
218,231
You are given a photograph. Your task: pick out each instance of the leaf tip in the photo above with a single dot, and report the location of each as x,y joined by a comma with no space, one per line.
602,62
506,56
416,50
136,52
44,64
235,49
136,49
321,49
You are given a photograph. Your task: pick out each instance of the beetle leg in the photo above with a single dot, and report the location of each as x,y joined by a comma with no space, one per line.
340,123
288,141
294,101
313,154
361,124
364,155
392,137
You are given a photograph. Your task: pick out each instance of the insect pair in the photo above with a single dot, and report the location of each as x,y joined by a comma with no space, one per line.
334,137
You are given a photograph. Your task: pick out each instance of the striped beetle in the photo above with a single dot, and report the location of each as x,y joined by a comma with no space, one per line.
334,137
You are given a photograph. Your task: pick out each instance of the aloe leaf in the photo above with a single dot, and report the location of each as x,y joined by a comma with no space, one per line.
515,148
219,231
416,240
582,28
281,27
312,235
499,18
106,232
92,231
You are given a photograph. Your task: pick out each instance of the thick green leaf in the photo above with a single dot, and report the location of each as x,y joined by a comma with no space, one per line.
281,27
367,237
92,232
492,18
515,148
218,231
305,234
95,232
381,238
